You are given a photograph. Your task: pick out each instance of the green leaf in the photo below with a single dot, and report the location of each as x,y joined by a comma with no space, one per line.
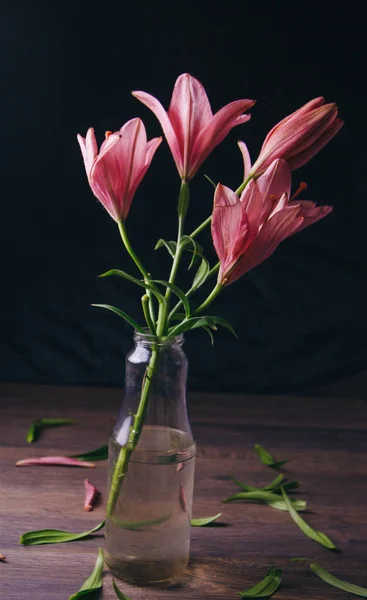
122,314
267,459
268,498
204,521
274,486
266,587
338,583
298,505
98,454
94,581
55,536
118,592
210,181
223,322
208,330
197,250
317,536
201,274
136,525
143,284
171,246
37,426
179,293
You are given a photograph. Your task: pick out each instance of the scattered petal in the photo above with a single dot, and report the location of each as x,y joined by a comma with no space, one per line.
91,495
63,461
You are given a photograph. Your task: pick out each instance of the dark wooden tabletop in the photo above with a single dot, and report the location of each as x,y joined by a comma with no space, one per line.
325,438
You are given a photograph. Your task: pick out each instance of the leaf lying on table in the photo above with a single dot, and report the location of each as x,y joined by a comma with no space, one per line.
37,426
274,486
55,536
94,581
63,461
267,459
338,583
266,587
204,521
97,454
270,498
118,592
317,536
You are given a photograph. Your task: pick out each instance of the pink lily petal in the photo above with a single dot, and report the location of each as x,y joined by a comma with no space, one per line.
191,130
303,157
246,159
2,556
283,224
63,461
115,173
179,467
299,136
273,183
309,213
229,222
91,495
253,205
214,132
156,107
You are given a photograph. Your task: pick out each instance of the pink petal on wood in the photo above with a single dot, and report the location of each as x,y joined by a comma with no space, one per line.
63,461
2,556
91,495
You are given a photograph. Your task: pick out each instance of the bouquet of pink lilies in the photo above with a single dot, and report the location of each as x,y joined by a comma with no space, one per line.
247,224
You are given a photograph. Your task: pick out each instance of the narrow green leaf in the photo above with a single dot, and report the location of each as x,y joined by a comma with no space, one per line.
223,322
317,536
55,536
179,293
298,505
267,459
118,592
121,314
201,274
197,250
274,486
142,284
210,181
39,424
338,583
208,330
136,525
94,581
170,246
98,454
204,521
268,497
266,587
33,432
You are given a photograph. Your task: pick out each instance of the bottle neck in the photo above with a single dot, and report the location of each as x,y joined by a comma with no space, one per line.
150,342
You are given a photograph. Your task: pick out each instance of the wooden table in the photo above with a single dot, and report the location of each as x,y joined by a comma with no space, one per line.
325,438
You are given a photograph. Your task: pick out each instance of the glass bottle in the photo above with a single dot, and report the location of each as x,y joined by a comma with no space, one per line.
148,533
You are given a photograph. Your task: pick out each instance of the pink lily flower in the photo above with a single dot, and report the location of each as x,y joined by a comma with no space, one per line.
191,129
91,495
247,230
116,171
298,137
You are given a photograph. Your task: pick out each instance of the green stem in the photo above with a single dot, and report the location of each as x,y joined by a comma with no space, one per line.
201,227
240,189
147,315
212,271
213,294
139,264
120,470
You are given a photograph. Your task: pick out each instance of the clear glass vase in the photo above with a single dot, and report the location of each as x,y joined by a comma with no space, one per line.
151,478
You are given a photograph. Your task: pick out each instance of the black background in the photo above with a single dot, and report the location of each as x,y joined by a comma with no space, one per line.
67,66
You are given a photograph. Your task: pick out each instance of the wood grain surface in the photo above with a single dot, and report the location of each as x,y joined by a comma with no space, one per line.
325,438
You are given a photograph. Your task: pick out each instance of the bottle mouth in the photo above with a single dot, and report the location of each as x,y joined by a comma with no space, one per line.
152,340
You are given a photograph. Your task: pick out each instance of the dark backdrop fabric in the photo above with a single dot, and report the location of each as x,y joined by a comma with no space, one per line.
301,316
